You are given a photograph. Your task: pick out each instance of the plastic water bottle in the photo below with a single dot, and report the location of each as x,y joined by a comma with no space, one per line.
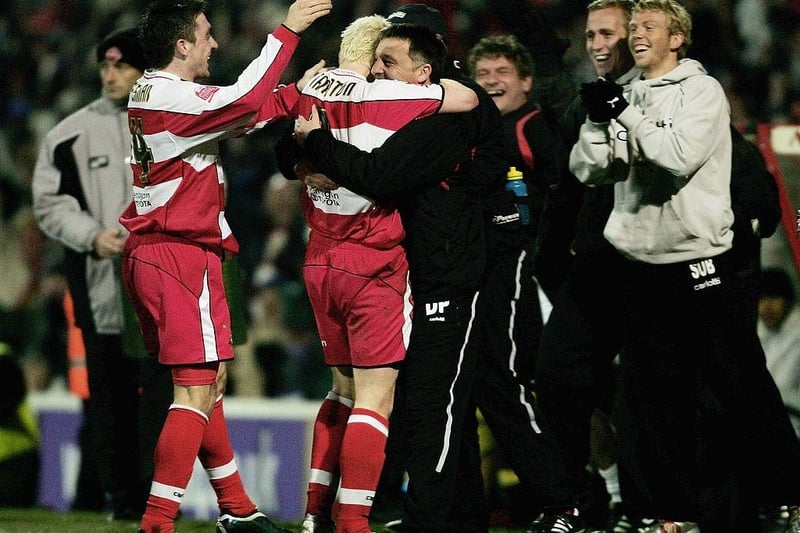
515,184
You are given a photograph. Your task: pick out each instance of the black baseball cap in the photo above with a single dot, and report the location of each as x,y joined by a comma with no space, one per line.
123,46
421,15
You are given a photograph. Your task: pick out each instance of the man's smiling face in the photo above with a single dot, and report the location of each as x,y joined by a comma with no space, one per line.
607,41
502,81
654,48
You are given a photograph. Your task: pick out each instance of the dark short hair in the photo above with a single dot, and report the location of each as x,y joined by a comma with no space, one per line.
423,46
163,23
503,45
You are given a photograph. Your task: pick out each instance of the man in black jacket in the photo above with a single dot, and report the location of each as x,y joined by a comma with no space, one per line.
511,307
427,169
439,201
580,271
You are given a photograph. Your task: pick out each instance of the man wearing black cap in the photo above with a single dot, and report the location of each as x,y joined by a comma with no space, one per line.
431,18
80,187
421,15
437,193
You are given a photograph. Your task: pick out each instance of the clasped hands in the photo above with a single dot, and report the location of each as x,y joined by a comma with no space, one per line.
602,99
303,126
303,169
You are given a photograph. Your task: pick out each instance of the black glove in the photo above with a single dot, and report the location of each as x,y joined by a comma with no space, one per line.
603,100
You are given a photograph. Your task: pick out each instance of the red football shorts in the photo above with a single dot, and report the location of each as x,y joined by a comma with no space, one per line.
177,292
361,299
195,375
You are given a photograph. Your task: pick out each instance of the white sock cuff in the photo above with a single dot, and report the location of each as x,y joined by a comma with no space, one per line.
187,408
222,471
168,492
356,497
609,473
333,396
320,477
371,421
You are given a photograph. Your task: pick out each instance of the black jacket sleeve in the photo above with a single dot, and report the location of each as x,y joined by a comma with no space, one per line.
287,153
754,192
424,150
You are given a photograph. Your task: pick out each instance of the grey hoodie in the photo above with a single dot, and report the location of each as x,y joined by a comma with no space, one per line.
669,153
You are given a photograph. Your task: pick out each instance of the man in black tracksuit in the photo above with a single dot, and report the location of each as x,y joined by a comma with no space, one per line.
438,195
430,173
511,311
444,220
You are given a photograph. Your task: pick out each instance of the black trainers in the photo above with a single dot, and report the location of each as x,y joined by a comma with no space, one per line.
557,521
255,522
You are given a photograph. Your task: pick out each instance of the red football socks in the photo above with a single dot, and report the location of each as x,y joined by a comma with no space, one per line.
216,455
173,458
329,428
361,462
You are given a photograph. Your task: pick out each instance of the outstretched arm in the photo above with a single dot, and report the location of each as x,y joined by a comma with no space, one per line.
303,13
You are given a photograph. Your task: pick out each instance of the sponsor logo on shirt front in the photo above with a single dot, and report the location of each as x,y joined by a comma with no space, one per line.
323,197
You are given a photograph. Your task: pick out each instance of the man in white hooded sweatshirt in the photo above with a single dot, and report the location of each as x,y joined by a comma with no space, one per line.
666,145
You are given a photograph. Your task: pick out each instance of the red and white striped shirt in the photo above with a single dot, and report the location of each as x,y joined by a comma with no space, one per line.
176,126
363,114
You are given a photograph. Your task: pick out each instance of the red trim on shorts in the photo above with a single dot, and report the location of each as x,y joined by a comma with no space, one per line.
194,375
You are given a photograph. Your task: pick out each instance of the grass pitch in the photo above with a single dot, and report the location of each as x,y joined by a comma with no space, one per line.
39,520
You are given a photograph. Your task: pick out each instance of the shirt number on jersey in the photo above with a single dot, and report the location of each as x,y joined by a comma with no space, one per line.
142,154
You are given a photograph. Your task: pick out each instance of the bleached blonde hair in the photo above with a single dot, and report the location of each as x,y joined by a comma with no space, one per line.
360,38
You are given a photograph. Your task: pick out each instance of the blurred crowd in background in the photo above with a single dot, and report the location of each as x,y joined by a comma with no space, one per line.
47,56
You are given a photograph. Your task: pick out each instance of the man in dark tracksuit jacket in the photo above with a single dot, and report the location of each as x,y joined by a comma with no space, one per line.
443,214
581,272
445,243
510,312
446,251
